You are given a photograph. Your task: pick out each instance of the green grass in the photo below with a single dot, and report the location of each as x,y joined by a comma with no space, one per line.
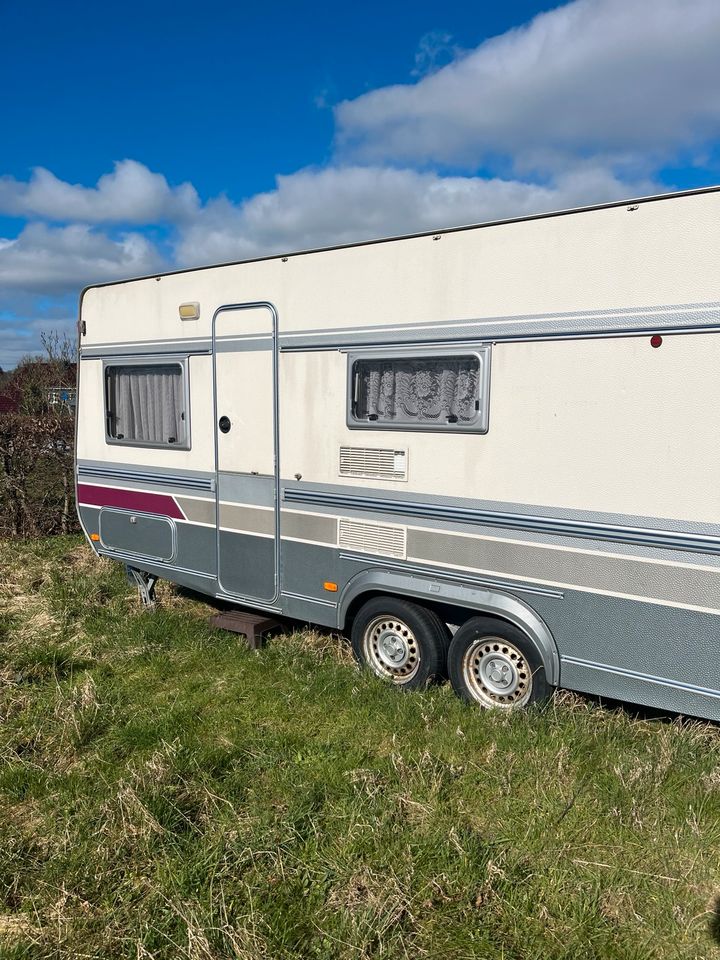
166,793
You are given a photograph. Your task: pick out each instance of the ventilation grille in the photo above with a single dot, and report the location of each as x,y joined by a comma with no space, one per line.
372,463
365,536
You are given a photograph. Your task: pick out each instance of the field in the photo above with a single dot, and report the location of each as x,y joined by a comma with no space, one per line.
166,793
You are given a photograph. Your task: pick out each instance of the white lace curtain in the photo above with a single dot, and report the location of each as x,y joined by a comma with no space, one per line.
442,390
145,403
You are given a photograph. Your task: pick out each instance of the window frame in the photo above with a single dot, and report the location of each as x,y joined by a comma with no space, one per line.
480,423
165,360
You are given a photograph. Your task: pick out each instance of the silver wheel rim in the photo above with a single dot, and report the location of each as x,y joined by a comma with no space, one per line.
496,673
390,649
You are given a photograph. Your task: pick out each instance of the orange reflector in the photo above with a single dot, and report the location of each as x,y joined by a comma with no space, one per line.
94,537
329,585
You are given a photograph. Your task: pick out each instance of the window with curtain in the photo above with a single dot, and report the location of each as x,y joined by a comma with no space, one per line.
145,404
440,391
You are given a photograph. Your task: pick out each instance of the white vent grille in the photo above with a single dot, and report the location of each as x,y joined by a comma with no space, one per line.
366,536
373,463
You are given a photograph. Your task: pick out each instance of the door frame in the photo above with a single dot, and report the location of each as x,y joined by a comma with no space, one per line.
226,308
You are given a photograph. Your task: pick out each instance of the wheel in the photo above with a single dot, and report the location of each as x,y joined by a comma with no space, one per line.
401,642
495,664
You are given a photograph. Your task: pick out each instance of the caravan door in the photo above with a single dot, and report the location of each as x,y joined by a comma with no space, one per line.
246,450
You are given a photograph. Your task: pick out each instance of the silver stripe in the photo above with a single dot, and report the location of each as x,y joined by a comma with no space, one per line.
585,570
645,677
138,476
152,343
301,596
244,519
461,336
463,578
136,560
197,511
243,344
148,349
254,602
307,526
655,310
588,530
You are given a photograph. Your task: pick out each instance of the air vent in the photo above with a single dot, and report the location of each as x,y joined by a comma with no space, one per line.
373,463
365,536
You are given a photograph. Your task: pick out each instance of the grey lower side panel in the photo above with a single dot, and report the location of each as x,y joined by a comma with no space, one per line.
305,567
248,565
646,693
195,545
645,639
649,653
197,549
308,611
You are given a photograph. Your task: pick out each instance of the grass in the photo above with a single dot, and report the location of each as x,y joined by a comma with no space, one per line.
166,793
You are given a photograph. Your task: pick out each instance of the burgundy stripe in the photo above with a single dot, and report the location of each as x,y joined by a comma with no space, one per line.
130,500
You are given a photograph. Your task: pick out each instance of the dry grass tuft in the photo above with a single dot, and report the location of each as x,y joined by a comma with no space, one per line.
319,644
17,928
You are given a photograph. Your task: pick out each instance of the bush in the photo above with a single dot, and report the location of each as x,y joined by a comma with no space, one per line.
37,494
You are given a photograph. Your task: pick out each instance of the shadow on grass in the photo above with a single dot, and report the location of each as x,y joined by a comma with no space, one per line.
43,663
285,624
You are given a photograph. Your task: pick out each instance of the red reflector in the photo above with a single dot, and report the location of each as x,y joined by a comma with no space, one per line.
655,340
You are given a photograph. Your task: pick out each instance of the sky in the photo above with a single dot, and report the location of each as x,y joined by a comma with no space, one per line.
142,137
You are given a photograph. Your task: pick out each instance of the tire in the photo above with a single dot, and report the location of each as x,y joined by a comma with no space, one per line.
494,664
401,642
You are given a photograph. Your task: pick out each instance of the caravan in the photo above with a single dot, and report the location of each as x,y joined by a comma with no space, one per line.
489,451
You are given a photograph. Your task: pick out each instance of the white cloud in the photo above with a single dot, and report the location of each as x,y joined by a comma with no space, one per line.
344,204
627,81
55,260
130,194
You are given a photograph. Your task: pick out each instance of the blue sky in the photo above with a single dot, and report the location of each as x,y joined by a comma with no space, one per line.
152,136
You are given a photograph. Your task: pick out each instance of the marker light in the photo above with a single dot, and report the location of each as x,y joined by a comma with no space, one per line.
655,340
95,537
330,586
189,311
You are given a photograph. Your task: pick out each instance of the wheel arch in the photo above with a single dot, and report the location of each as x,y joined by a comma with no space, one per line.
437,592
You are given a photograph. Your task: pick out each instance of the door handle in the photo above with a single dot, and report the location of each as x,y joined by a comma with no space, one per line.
224,424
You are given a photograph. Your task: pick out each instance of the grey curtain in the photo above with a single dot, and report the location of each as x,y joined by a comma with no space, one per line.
443,390
145,403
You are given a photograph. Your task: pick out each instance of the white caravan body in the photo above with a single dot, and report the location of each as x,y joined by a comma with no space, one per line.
576,496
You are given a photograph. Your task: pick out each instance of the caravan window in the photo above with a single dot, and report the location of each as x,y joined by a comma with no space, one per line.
447,391
145,404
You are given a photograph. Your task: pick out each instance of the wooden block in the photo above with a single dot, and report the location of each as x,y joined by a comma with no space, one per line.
254,626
